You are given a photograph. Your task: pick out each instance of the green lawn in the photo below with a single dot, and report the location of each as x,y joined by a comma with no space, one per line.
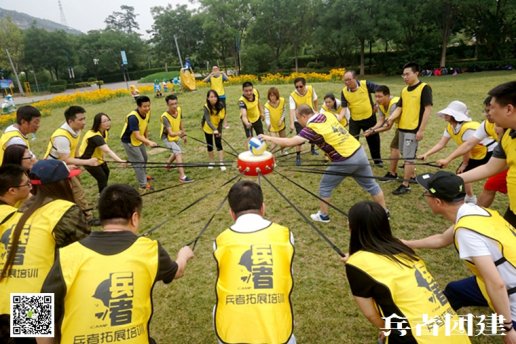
159,76
323,306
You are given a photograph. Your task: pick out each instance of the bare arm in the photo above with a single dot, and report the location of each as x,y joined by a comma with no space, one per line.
183,256
493,166
434,241
105,148
75,161
464,148
438,146
393,116
243,116
144,139
424,121
284,141
370,311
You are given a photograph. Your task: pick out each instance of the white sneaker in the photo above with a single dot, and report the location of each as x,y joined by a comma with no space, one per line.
320,217
222,168
470,199
210,166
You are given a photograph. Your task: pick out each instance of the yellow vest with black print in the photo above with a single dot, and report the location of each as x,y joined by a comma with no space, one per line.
217,84
252,108
494,227
410,114
215,119
175,124
509,147
97,153
35,254
386,111
9,215
108,295
6,137
336,135
276,113
359,102
307,99
479,151
253,287
415,293
74,143
142,126
335,112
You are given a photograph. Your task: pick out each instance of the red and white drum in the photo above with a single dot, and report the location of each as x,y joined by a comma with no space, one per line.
254,165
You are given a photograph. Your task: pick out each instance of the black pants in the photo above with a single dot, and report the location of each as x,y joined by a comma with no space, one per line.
100,173
209,142
373,141
257,126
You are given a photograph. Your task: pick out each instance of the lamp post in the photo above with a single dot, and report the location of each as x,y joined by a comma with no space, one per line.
36,80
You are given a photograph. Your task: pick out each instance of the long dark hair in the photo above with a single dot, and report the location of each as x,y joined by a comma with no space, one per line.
332,97
371,232
218,105
14,154
58,190
97,121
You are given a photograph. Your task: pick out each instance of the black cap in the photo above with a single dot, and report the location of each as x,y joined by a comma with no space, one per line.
444,185
51,171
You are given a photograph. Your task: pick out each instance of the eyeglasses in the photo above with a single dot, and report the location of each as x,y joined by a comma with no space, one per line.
28,184
28,157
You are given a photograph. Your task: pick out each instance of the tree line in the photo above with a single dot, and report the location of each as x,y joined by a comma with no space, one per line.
256,36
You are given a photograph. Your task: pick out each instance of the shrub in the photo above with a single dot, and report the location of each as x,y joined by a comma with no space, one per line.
57,88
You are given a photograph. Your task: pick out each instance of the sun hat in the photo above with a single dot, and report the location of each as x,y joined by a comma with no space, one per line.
458,110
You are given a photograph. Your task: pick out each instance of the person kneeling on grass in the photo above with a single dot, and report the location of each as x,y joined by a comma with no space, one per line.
345,152
103,283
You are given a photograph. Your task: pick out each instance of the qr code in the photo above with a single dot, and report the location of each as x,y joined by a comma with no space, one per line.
32,315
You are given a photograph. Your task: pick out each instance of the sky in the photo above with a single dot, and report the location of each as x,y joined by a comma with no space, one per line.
85,15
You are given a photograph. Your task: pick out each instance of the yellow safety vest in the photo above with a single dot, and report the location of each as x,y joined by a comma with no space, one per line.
492,226
217,84
142,126
74,142
6,137
336,112
479,151
108,295
253,287
414,292
335,135
386,111
276,113
175,124
490,129
411,111
8,216
359,102
252,108
307,99
35,254
215,119
97,153
509,147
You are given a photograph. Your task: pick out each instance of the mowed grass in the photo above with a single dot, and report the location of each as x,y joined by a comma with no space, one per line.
324,309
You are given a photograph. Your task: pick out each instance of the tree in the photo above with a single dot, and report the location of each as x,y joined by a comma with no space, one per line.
124,20
12,39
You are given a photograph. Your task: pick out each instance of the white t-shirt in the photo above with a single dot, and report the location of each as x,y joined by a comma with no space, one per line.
61,144
472,244
16,140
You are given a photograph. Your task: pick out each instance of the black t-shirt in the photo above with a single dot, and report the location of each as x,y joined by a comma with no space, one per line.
93,142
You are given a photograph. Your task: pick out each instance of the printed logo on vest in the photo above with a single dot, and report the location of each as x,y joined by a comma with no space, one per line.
116,294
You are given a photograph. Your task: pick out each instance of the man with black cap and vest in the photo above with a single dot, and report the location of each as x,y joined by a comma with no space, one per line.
483,239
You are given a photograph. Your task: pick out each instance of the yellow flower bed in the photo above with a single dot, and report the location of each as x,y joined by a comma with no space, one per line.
8,119
89,97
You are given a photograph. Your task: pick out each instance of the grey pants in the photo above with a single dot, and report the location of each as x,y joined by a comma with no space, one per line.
137,155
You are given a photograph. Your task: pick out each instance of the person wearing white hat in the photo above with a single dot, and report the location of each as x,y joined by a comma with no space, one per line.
460,128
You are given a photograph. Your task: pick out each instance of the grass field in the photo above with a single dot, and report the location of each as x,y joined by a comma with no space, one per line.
324,310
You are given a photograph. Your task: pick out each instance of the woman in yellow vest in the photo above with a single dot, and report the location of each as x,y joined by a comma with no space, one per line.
332,105
211,124
391,284
460,128
19,155
94,145
274,111
47,221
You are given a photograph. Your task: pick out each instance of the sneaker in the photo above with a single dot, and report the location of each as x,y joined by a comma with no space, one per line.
222,168
401,190
314,152
388,213
149,178
378,163
210,166
389,177
94,222
320,217
186,180
148,187
412,180
298,160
